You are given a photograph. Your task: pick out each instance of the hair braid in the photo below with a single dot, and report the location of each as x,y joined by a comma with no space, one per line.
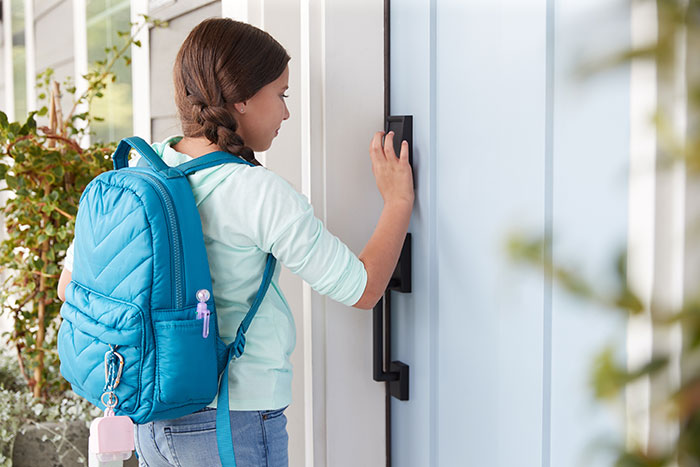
218,125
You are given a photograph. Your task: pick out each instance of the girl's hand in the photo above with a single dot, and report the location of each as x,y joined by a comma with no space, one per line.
393,174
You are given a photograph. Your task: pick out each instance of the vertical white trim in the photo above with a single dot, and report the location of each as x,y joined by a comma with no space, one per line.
318,81
307,309
235,9
30,54
9,74
141,74
256,13
256,17
80,56
677,248
261,22
641,219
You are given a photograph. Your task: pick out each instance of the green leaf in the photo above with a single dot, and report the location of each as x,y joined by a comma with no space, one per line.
58,171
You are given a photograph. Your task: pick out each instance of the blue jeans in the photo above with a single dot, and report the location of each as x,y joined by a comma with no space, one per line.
259,440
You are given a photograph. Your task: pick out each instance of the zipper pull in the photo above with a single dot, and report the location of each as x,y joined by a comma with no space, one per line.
202,311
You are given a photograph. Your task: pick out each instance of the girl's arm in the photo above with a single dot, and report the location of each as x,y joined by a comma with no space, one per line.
395,182
63,282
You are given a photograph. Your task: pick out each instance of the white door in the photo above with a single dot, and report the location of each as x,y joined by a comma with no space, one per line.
507,138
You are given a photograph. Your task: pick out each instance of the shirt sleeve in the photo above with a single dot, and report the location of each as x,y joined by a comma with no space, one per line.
68,261
282,222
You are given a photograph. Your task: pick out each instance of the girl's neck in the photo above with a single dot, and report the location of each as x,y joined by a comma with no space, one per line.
195,147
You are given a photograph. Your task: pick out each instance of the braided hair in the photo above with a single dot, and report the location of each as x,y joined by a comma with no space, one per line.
223,62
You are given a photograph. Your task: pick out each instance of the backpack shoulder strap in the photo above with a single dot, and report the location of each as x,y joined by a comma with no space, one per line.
121,155
224,437
210,160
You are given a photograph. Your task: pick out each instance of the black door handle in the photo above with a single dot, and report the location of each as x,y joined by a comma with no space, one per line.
396,373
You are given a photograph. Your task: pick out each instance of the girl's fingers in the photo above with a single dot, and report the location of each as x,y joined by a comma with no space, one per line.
375,147
404,151
389,146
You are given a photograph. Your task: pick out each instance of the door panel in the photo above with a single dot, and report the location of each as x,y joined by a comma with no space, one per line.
590,170
500,362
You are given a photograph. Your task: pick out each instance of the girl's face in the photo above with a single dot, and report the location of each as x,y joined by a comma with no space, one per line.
260,117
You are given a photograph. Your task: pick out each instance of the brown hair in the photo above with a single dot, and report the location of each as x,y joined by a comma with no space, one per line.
222,62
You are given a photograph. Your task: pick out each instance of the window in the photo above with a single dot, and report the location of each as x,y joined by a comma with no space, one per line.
19,59
104,18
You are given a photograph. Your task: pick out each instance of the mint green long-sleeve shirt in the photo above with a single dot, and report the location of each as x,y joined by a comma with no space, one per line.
246,213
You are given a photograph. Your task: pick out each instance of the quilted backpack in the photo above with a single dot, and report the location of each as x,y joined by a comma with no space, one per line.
139,331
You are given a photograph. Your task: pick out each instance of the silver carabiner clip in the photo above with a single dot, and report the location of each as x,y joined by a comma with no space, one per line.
119,369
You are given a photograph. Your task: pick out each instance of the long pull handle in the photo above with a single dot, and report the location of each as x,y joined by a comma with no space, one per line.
396,373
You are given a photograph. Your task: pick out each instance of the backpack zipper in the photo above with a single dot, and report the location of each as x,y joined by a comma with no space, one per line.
175,234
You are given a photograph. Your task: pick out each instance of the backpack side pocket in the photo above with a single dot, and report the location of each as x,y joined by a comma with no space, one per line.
186,362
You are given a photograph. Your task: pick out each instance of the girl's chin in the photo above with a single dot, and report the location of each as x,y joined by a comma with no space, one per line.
262,148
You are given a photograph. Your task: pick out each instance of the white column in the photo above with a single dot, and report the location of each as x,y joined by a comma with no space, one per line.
80,55
29,51
141,74
9,75
641,219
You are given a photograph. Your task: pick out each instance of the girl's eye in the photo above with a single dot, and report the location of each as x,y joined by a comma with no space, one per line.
285,96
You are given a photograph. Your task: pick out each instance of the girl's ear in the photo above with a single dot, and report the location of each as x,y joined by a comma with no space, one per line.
240,107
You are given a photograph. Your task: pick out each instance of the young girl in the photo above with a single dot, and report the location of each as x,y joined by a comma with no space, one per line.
230,83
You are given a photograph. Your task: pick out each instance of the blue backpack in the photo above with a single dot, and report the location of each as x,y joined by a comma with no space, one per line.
139,331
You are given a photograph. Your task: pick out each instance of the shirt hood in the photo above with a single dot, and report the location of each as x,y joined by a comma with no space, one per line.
203,182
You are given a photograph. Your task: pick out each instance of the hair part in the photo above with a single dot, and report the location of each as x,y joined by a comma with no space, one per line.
222,62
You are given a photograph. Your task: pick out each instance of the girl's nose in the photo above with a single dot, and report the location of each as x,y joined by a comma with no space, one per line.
286,112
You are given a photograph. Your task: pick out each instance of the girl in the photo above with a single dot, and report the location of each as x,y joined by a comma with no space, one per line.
230,80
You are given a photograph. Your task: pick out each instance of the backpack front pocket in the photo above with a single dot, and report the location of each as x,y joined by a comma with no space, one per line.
186,371
84,339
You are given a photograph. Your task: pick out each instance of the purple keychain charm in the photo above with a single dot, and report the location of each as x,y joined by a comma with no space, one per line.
202,310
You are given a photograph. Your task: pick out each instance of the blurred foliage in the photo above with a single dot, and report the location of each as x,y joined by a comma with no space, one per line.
19,409
676,19
45,170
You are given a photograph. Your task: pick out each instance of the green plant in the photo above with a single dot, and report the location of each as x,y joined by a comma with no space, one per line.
45,170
